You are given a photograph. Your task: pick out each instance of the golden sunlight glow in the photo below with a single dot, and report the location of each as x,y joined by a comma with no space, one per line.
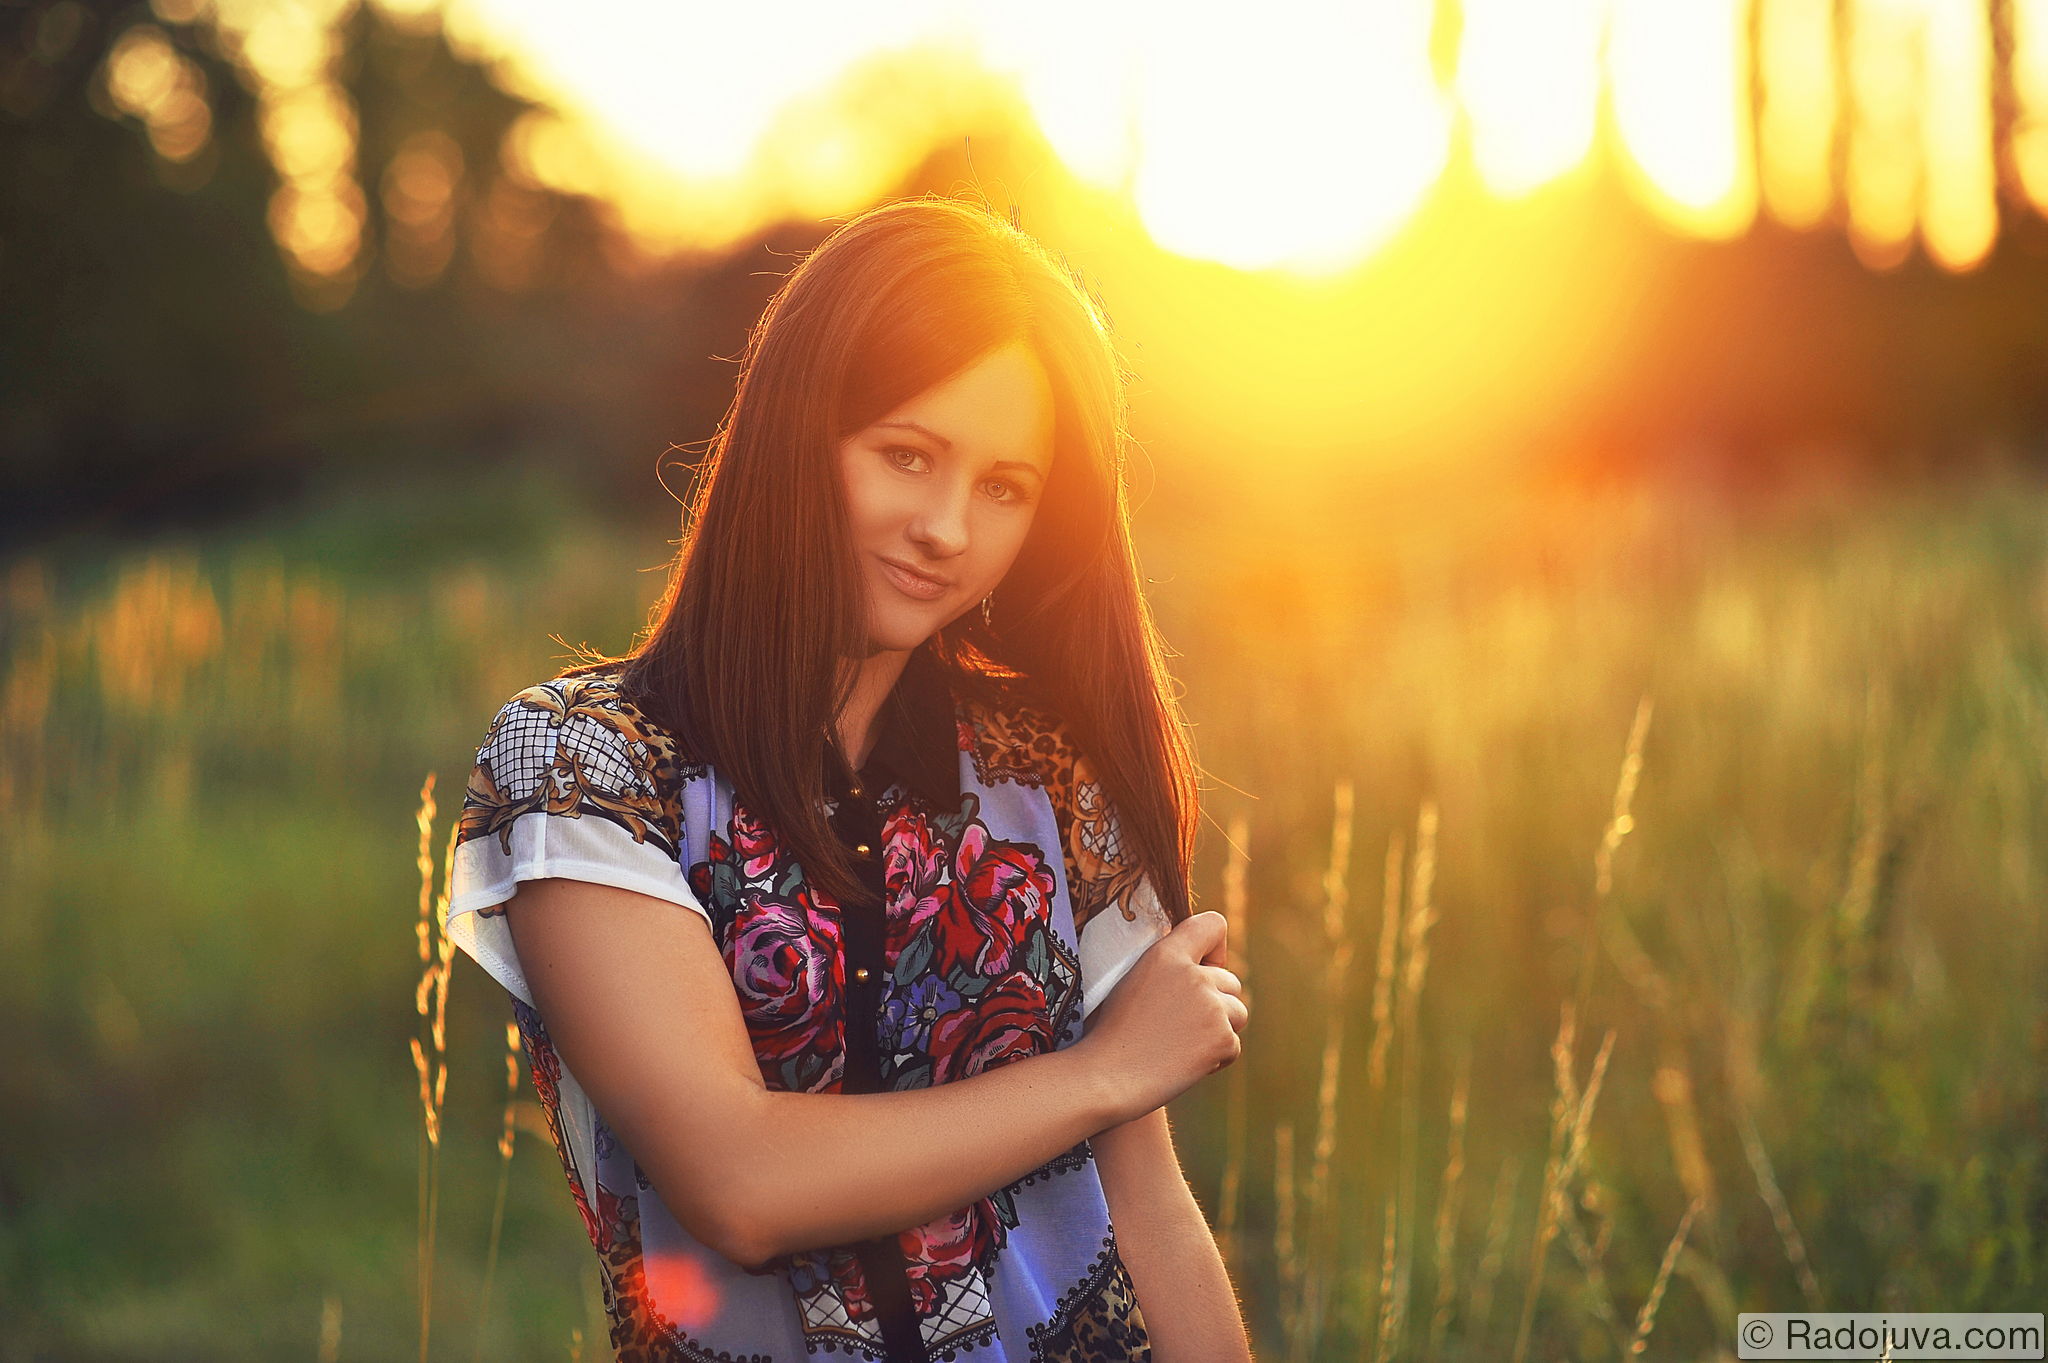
285,54
317,214
150,80
544,150
829,151
142,68
1958,203
1304,141
1798,123
2030,89
418,194
1083,94
1680,75
704,123
1307,141
287,46
1528,79
695,87
310,133
1884,147
1920,152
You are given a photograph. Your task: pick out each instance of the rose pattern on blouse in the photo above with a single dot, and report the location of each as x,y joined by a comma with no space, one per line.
974,971
786,961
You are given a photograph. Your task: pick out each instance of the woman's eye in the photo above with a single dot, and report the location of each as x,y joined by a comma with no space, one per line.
902,458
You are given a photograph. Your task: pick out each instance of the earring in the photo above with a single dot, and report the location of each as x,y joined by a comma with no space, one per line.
987,622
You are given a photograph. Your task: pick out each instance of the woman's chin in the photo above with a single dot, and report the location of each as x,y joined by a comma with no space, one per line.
901,636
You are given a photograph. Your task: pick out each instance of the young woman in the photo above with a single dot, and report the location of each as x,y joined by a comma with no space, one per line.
847,917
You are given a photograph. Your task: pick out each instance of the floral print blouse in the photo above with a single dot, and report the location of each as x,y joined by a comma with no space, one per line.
1007,912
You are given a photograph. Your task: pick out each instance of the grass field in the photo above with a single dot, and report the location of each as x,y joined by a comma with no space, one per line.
1646,870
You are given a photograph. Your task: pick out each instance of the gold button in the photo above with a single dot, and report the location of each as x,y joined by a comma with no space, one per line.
861,849
860,972
857,792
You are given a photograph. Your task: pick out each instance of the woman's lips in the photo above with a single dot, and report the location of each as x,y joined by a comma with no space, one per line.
914,584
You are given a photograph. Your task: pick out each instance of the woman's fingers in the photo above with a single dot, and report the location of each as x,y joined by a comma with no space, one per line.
1230,986
1203,934
1225,980
1236,1050
1238,1014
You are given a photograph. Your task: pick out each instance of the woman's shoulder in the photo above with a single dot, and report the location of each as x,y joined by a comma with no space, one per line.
597,695
600,698
579,743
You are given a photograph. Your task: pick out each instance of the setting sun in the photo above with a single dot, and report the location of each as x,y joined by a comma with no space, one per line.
1304,141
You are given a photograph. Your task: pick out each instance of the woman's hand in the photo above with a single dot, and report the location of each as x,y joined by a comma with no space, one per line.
1172,1021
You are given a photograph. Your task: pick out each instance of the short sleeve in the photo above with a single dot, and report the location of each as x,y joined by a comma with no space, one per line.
1117,912
570,781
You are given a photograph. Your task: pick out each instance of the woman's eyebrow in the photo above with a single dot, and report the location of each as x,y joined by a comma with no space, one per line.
924,431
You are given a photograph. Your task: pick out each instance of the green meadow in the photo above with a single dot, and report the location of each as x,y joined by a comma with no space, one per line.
1640,904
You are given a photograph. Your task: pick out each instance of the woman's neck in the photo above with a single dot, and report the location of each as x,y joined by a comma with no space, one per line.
855,725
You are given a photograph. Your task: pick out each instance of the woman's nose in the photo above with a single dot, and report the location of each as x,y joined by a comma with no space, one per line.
940,526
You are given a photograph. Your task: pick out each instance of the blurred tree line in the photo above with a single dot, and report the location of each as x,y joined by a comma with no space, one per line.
162,359
156,363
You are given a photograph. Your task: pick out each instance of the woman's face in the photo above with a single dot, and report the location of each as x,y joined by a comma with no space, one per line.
941,491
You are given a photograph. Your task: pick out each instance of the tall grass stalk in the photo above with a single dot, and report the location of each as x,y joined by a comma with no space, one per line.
1389,1299
1499,1218
505,1145
1383,970
1414,971
423,931
1384,964
430,1001
330,1329
1672,1087
1646,1319
1619,824
1589,1256
1774,1198
1447,1211
1570,1116
1859,898
1285,1259
1323,1229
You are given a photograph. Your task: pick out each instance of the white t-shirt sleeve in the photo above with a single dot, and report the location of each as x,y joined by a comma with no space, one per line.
1111,944
564,785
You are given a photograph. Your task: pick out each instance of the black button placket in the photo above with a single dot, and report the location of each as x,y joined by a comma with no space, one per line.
863,926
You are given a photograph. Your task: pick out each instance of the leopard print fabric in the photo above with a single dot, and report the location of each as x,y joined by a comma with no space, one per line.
1029,744
1098,1321
640,1334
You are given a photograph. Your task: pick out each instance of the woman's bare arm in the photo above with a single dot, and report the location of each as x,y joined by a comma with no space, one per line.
642,1010
1191,1310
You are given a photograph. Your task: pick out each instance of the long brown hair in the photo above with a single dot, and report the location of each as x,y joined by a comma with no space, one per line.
742,658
